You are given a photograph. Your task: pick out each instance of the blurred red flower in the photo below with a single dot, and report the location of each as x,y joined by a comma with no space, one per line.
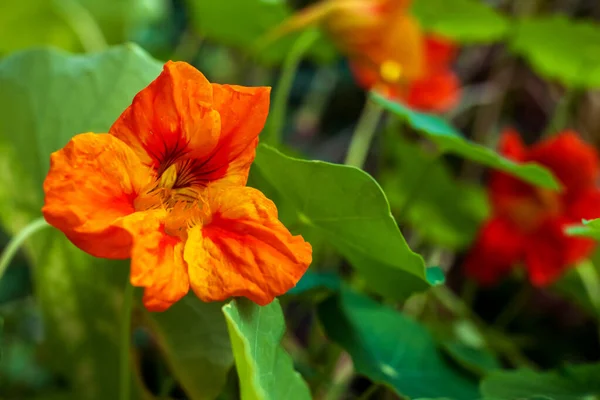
527,225
387,49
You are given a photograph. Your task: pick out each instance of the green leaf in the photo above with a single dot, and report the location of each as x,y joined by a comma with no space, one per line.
73,24
266,371
435,276
451,141
47,97
243,23
391,348
451,224
478,361
466,21
589,229
349,209
315,280
193,338
557,58
568,383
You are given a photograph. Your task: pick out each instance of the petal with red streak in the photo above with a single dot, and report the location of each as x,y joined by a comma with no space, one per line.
243,112
91,185
171,118
498,247
244,250
156,260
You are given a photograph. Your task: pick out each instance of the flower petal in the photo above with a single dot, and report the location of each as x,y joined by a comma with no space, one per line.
243,112
156,260
550,251
244,250
497,249
506,190
436,92
91,185
440,52
574,162
171,118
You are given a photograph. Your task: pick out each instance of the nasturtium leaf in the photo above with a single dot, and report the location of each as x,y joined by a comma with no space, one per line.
348,207
571,57
451,224
466,21
589,229
449,140
245,23
435,276
193,338
568,383
317,280
392,349
265,370
47,97
65,24
478,361
580,284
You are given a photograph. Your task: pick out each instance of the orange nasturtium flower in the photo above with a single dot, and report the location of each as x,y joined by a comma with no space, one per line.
528,223
387,49
166,188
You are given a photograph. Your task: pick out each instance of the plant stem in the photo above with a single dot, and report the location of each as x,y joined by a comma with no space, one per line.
369,392
591,282
560,117
495,339
469,290
513,308
124,351
274,132
415,191
83,23
363,134
15,243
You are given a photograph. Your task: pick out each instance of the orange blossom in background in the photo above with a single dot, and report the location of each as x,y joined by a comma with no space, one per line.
528,223
388,52
166,188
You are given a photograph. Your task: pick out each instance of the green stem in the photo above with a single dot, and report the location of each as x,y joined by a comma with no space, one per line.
469,291
513,308
124,351
591,282
363,134
274,132
369,392
496,340
560,117
84,25
15,243
415,191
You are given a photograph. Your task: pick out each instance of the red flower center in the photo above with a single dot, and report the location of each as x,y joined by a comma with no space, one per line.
529,212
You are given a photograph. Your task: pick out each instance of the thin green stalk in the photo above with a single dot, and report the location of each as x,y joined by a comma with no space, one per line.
274,132
494,338
513,308
15,243
415,191
363,134
469,291
125,351
591,282
560,117
83,23
370,391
